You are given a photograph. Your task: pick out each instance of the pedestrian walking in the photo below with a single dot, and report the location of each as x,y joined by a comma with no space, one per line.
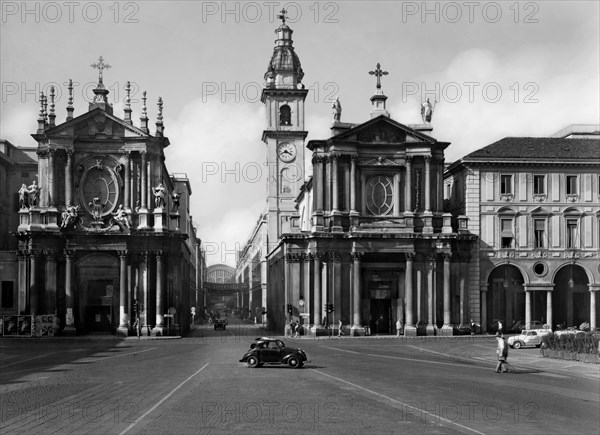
297,329
340,332
502,352
473,327
398,327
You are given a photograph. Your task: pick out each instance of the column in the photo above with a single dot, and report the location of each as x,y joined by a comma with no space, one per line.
127,188
440,186
327,183
50,282
363,194
353,184
408,288
430,265
319,183
419,295
447,327
317,308
461,284
592,310
69,300
51,185
306,289
144,181
22,282
335,191
527,308
132,197
123,327
427,184
160,309
357,326
483,308
33,293
143,291
325,286
396,195
68,178
408,186
549,308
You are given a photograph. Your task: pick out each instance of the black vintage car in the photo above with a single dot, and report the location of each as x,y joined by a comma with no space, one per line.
220,324
272,351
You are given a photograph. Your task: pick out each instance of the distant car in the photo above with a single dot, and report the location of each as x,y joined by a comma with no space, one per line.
273,351
529,337
520,325
220,324
572,330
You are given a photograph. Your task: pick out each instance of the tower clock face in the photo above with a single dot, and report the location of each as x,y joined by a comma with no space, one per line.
286,152
100,182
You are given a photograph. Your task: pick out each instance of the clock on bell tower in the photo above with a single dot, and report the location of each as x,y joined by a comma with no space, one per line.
283,97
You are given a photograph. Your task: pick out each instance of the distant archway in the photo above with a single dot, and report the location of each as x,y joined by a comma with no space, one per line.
571,296
506,298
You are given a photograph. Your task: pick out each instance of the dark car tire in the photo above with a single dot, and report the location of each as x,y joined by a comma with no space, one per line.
517,345
294,362
252,361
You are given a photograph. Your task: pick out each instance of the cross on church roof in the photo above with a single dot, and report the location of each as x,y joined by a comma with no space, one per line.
100,65
378,73
282,16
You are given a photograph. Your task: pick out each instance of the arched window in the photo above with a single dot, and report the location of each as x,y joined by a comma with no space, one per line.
285,115
506,218
539,226
572,228
284,181
380,195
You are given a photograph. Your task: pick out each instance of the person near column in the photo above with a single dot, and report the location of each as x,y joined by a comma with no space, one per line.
340,325
398,327
502,352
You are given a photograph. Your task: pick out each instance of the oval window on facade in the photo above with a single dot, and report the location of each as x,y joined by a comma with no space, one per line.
379,195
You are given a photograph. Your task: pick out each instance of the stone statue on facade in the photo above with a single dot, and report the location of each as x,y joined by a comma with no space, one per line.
23,196
159,196
337,110
427,111
33,194
96,209
175,197
69,216
120,217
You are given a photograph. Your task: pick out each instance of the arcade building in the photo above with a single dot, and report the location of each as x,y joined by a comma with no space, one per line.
105,237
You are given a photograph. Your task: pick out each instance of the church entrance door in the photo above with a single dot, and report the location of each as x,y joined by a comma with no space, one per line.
381,310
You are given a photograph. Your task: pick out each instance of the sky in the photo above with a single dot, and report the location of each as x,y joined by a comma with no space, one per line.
496,69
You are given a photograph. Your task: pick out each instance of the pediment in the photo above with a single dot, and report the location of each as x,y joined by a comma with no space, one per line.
94,124
383,130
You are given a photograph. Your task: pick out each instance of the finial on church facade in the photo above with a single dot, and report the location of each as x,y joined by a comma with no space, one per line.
160,128
128,103
378,100
378,73
282,16
100,92
52,114
70,108
144,117
41,120
45,104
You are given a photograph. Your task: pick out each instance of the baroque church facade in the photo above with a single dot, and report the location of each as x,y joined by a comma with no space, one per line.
105,238
365,240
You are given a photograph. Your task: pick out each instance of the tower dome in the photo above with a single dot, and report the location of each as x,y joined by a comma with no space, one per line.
284,70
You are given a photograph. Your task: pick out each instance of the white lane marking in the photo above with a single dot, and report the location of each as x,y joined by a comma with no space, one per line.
103,358
435,417
413,359
342,350
132,425
28,359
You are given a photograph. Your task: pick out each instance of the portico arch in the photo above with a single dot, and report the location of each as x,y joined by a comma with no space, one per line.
506,296
571,295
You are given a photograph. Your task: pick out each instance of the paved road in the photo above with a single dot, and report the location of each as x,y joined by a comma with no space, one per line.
196,385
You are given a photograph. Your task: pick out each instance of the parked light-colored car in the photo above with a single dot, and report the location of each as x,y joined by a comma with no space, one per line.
529,337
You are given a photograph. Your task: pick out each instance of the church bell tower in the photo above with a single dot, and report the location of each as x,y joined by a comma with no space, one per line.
283,97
